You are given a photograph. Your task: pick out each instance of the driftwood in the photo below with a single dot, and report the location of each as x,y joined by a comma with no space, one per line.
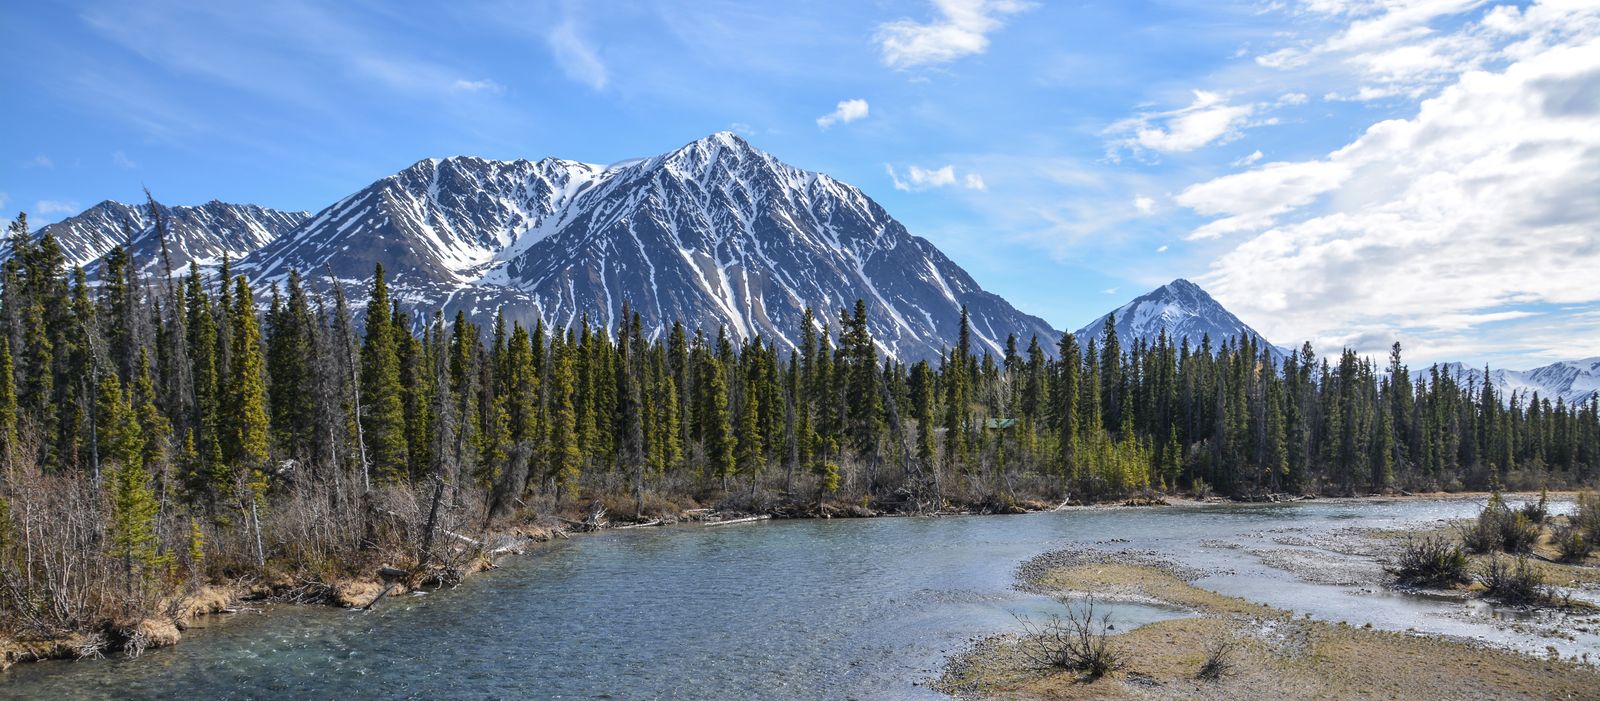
656,522
380,596
732,521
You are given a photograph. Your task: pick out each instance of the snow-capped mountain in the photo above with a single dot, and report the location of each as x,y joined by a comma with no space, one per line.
1572,380
201,233
1183,310
716,233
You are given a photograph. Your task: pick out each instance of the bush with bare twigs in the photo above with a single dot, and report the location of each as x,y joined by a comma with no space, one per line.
1513,582
1075,641
1219,659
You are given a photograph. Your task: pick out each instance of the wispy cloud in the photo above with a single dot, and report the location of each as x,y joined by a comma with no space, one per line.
1209,119
53,207
478,86
39,161
961,29
577,58
1392,48
121,160
847,111
918,178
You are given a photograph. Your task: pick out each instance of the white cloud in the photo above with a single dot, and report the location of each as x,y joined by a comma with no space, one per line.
1250,200
1209,119
1293,98
918,178
1162,249
1109,291
1248,160
1478,206
846,112
51,207
1144,204
121,160
1390,48
39,161
962,29
4,198
476,86
576,58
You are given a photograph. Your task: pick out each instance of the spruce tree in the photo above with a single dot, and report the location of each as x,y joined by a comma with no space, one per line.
383,419
245,395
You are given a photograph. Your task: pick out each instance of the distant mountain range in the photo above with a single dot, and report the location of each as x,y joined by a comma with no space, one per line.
1182,310
1574,381
200,233
716,233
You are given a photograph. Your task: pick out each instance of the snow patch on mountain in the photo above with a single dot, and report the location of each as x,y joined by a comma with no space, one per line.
1180,308
1573,381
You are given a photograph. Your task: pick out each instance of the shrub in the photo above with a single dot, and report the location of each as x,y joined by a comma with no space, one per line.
1499,528
1219,659
1430,561
1537,512
1587,516
1573,542
1075,642
1513,584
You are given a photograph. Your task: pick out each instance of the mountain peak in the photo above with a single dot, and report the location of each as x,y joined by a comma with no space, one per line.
1182,309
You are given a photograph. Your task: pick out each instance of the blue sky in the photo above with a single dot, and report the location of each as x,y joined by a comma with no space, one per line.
1345,171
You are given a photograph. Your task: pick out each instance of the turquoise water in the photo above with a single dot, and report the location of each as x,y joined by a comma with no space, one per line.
786,610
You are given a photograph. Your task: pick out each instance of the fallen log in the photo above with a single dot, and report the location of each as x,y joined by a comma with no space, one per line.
380,596
656,522
732,521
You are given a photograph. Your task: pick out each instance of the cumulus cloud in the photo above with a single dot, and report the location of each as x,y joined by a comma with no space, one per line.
576,57
918,178
1162,249
845,112
1209,119
1481,204
961,29
1144,204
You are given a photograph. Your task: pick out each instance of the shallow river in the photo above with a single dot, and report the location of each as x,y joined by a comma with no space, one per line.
782,609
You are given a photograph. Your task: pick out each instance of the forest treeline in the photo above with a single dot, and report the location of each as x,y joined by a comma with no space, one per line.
163,430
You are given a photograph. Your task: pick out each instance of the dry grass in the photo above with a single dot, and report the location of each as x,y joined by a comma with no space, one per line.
1271,656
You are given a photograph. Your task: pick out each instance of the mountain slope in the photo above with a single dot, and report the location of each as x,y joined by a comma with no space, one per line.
438,222
716,233
200,233
1572,380
1182,309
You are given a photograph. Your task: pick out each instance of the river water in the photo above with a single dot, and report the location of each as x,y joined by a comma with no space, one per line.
864,608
